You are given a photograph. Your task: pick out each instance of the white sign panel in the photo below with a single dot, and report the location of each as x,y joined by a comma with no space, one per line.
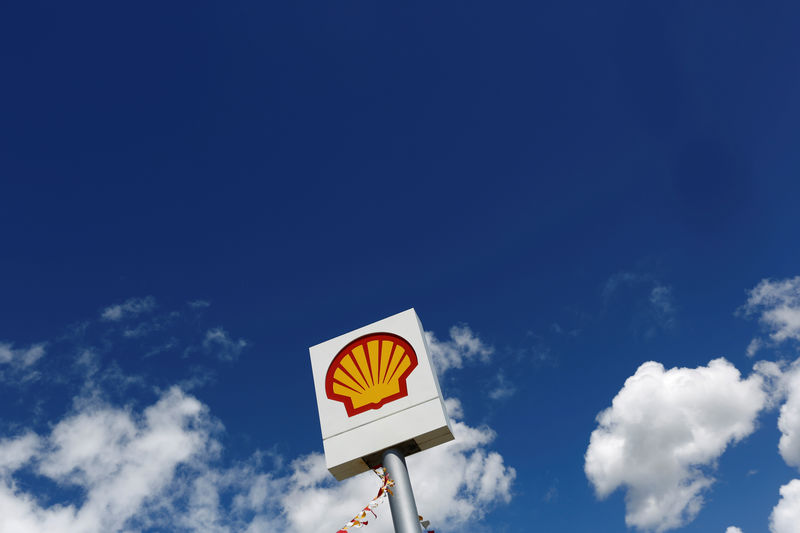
376,389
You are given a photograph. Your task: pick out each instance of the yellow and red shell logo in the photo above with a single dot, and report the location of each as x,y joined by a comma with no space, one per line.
370,372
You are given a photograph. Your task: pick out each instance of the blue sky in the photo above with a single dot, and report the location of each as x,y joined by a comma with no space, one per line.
191,194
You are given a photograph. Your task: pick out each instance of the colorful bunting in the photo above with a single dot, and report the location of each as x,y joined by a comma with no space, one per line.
383,493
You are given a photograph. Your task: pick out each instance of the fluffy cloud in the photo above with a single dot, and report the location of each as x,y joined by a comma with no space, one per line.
663,431
782,382
128,309
106,468
463,346
785,386
454,484
733,529
785,516
777,305
15,452
116,459
753,347
158,470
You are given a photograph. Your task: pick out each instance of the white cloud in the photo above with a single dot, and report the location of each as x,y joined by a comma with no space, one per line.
118,459
218,342
782,382
733,529
785,515
21,358
454,484
128,309
454,408
463,346
16,452
458,482
160,468
663,432
777,304
754,346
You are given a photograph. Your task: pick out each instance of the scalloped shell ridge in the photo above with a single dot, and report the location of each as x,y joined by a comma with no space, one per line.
370,372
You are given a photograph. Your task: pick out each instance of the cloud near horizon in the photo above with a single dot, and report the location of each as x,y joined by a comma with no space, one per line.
454,484
106,466
118,459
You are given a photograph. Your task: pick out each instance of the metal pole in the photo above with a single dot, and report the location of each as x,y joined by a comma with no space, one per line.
402,504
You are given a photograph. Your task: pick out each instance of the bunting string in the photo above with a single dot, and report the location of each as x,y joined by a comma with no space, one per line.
360,521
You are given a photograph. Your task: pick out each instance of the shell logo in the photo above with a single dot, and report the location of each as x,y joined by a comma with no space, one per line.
370,372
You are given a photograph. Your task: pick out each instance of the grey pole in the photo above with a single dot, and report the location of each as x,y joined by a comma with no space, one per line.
401,502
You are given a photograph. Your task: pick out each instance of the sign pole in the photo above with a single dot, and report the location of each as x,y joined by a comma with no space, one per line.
404,509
